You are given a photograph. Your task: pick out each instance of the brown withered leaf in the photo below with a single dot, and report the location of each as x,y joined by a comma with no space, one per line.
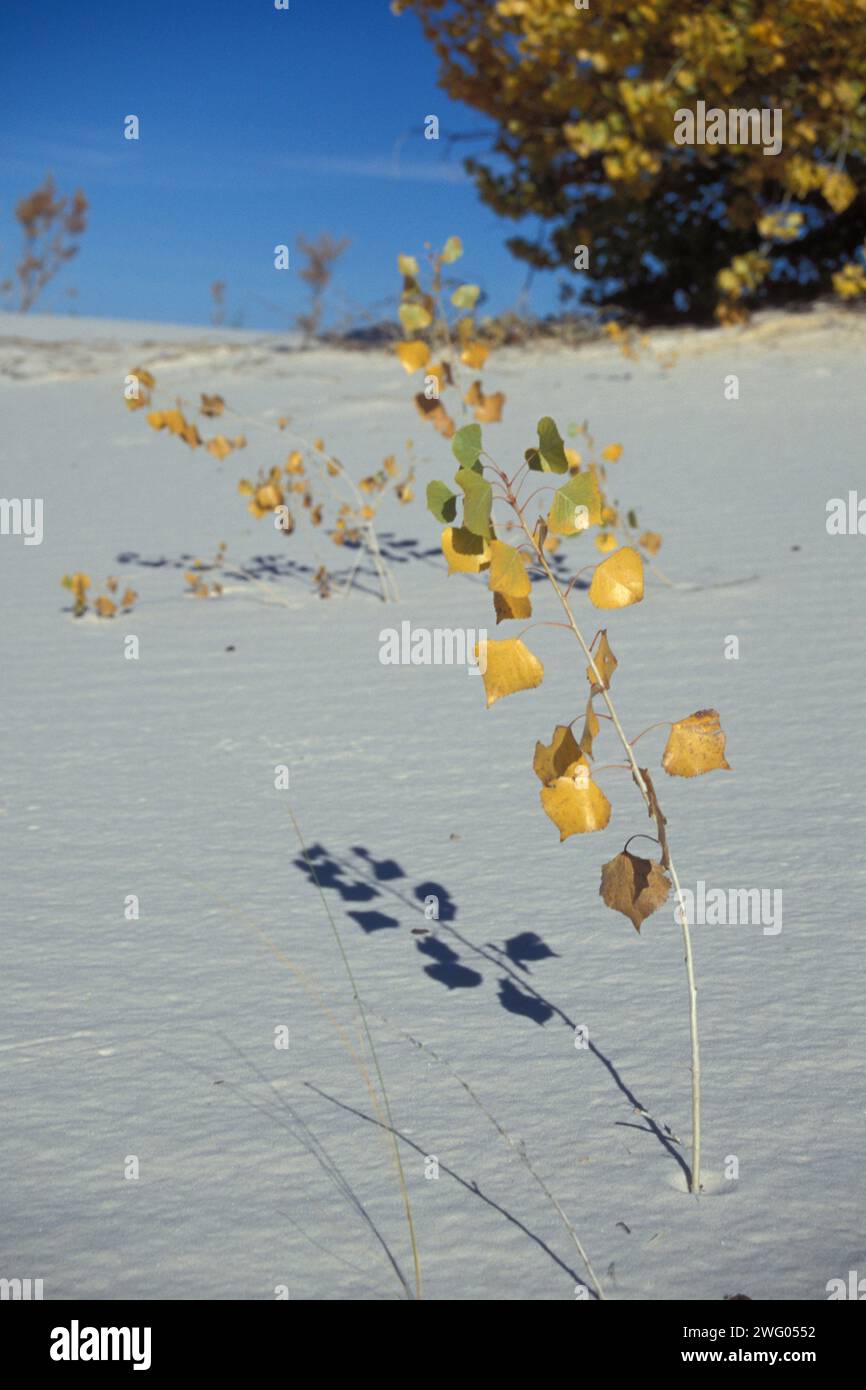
435,412
488,409
212,405
633,886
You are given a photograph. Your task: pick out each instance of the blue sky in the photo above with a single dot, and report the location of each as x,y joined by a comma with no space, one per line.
257,124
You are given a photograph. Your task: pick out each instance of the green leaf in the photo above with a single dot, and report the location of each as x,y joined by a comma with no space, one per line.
441,501
466,445
477,501
581,491
466,296
414,316
549,457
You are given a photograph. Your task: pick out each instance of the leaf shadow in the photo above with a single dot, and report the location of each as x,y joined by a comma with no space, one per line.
516,994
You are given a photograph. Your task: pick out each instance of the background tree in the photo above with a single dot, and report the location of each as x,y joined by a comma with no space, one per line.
583,103
321,256
50,226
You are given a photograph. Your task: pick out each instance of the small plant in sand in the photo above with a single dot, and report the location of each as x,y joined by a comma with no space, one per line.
442,342
633,345
199,585
565,765
104,605
355,504
311,475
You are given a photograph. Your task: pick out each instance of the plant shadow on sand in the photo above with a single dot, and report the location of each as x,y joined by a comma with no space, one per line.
360,878
395,550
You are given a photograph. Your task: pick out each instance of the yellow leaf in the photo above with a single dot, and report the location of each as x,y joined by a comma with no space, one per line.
618,581
245,488
554,759
436,413
695,745
407,265
489,410
190,435
591,727
295,462
605,662
633,886
506,667
156,420
240,442
575,804
452,250
611,452
413,354
651,542
79,584
111,585
508,571
104,607
442,373
268,497
129,597
466,553
507,606
174,420
414,316
605,541
474,355
144,377
219,446
839,190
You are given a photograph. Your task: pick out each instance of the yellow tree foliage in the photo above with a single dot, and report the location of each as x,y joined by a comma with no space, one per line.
584,102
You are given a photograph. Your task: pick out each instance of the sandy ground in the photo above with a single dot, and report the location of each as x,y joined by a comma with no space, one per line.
262,1167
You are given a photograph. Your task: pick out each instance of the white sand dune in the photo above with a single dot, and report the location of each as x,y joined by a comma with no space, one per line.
154,1038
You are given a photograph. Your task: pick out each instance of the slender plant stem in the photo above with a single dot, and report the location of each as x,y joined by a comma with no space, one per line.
654,811
407,1206
517,1147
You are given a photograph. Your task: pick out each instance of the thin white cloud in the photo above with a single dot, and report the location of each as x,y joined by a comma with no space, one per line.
377,167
